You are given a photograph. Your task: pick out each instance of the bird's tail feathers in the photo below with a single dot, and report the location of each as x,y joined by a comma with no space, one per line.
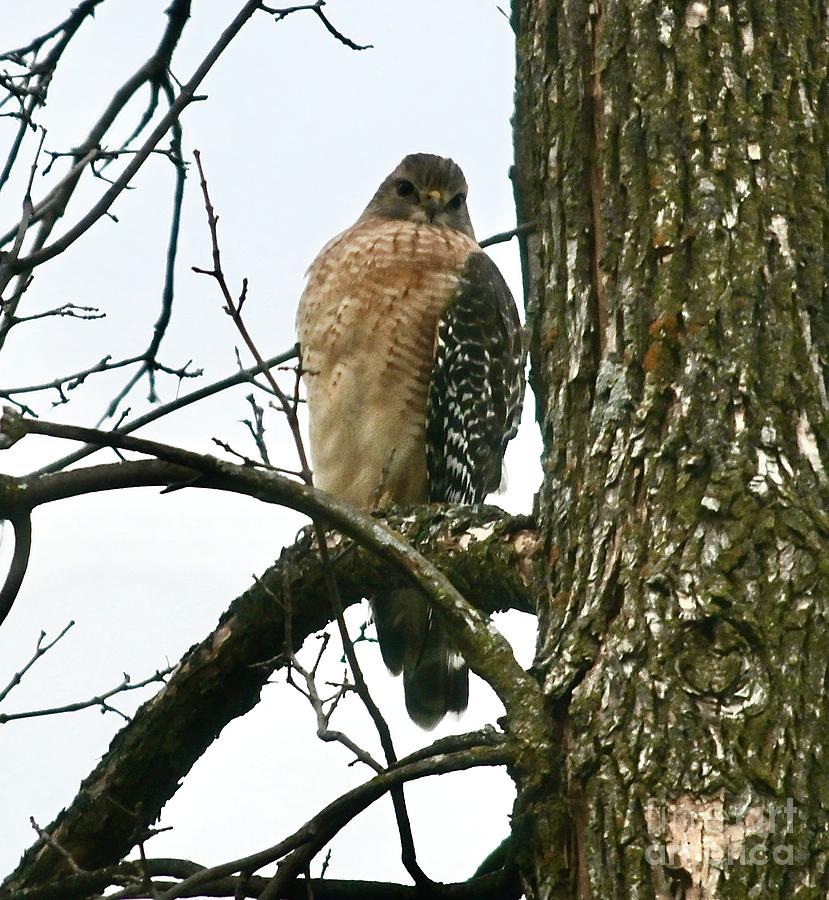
414,641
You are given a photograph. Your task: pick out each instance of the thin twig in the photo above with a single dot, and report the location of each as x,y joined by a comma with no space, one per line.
325,863
145,875
72,380
167,408
252,463
186,96
66,310
48,839
99,700
256,427
40,650
280,14
324,731
11,257
160,329
43,73
104,156
234,310
318,831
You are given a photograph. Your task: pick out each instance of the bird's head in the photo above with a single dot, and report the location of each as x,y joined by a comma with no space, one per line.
424,188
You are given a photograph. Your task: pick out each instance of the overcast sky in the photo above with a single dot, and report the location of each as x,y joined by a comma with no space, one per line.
296,134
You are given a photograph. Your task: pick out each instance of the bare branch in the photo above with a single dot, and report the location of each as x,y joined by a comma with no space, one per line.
150,354
40,650
74,19
493,750
65,383
234,310
247,461
55,196
103,155
484,649
66,310
222,678
503,236
324,731
496,886
177,14
185,97
257,428
167,408
280,14
73,380
146,880
155,73
26,217
43,72
99,700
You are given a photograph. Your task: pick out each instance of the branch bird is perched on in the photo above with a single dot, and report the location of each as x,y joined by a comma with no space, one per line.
411,347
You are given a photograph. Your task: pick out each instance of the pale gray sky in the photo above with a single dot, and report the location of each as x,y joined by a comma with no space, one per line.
295,136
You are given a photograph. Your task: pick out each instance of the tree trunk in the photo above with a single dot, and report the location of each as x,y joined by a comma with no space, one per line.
675,159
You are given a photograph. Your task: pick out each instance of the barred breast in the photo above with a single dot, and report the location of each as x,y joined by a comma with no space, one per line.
367,324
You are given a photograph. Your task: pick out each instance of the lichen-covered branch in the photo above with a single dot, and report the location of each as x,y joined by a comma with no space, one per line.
485,650
482,550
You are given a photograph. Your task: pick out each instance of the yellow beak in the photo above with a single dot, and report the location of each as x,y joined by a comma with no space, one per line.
432,202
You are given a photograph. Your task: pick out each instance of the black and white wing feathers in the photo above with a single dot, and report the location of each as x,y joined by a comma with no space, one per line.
476,388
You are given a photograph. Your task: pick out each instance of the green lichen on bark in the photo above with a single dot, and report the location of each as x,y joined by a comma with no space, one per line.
676,158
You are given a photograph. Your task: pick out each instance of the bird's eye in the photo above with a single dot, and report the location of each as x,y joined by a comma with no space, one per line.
404,188
456,202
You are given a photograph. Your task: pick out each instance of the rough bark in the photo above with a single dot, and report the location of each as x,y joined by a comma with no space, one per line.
674,156
486,553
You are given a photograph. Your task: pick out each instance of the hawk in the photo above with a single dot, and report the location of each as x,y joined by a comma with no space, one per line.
411,348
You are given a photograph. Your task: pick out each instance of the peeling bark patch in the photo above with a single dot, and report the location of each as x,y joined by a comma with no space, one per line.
527,544
666,26
768,470
221,634
814,358
476,534
747,37
808,446
780,229
696,15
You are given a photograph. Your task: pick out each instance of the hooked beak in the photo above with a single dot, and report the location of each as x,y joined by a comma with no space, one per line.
432,202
